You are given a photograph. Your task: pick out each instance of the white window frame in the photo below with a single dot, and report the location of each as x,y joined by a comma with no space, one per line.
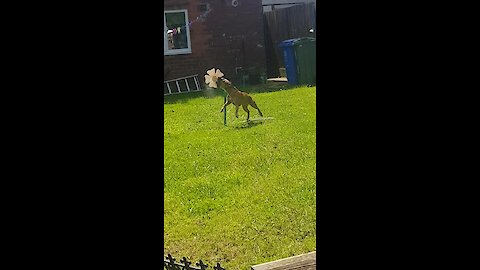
167,51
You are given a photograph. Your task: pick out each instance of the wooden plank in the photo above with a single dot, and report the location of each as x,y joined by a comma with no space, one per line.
306,261
281,79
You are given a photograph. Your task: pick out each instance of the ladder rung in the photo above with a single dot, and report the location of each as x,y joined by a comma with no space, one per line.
196,82
169,90
188,87
179,89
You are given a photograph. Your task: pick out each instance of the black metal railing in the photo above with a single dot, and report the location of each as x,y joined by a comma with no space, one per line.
170,263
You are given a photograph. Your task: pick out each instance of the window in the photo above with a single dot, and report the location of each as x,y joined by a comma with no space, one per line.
176,32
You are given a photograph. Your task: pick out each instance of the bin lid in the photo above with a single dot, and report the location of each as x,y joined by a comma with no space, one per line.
303,40
295,41
287,43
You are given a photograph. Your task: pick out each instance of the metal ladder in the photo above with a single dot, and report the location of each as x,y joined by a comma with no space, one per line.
181,85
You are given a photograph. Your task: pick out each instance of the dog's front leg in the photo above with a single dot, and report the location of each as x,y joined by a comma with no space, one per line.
236,110
224,105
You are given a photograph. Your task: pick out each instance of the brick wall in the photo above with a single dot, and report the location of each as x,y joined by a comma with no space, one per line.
228,37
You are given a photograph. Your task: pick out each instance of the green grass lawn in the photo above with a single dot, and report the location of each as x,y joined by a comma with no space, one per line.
240,194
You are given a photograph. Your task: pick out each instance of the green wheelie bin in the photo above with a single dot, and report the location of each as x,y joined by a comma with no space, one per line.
305,56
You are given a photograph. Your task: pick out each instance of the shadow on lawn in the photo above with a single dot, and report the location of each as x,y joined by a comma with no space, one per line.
248,124
253,122
213,93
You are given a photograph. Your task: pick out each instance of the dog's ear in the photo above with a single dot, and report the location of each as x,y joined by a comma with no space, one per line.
226,81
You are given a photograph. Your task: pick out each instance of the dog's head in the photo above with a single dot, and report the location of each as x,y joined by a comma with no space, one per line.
222,83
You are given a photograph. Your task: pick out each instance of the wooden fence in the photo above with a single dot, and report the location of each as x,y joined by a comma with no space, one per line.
286,23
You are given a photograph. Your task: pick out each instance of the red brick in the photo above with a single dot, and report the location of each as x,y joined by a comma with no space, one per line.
227,38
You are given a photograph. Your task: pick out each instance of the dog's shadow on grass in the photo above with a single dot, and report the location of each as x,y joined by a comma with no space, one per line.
249,124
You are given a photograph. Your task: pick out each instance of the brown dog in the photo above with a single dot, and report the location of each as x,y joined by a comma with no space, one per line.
237,97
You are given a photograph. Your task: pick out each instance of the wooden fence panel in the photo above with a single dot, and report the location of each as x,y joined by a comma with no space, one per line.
286,23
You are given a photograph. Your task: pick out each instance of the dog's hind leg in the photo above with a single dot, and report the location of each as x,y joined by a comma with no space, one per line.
246,109
254,105
225,105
